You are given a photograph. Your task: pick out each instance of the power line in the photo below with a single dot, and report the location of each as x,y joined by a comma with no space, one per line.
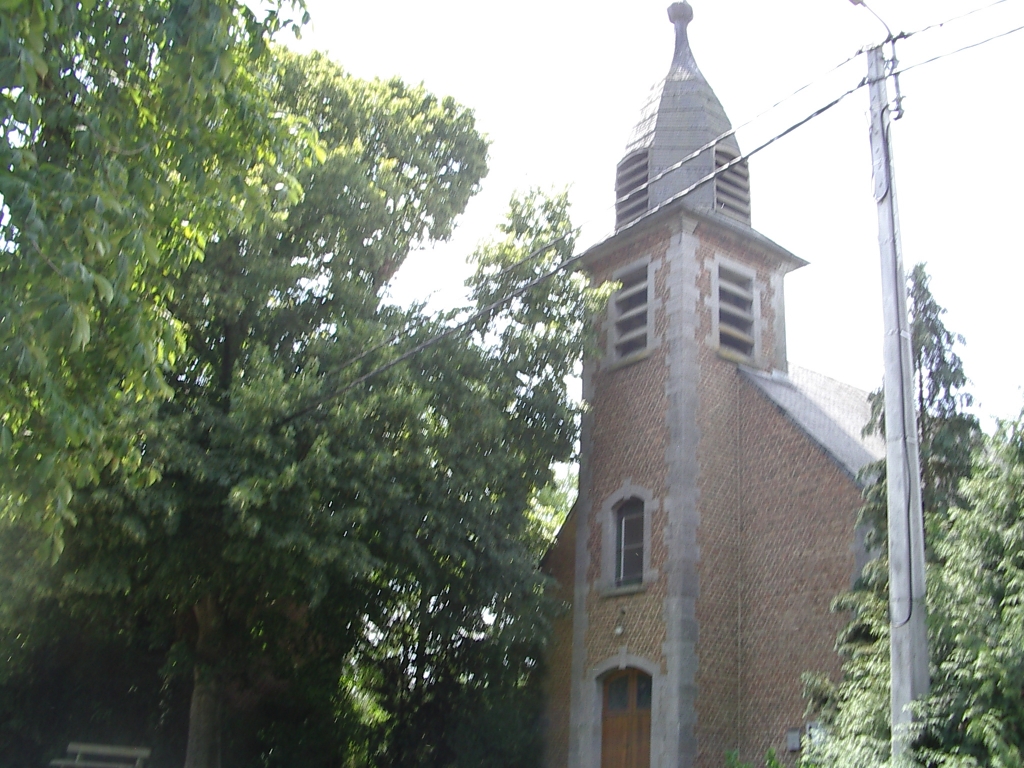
537,252
532,255
547,246
732,131
958,50
751,153
936,25
479,314
562,266
473,318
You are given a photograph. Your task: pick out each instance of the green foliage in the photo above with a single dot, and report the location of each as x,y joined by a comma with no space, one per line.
133,133
80,679
948,435
975,714
356,572
550,507
856,710
400,164
732,760
453,667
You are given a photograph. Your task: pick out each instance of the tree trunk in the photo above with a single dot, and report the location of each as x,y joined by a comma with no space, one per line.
204,715
203,749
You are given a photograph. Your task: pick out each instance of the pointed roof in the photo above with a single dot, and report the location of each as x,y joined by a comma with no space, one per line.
682,103
681,116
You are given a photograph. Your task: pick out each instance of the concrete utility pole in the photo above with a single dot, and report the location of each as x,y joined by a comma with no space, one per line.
909,636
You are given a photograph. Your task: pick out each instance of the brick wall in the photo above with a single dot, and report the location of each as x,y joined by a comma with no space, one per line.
799,510
775,524
719,455
560,564
776,533
776,539
718,569
628,443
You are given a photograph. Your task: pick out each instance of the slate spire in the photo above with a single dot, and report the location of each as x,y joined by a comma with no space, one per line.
684,66
682,115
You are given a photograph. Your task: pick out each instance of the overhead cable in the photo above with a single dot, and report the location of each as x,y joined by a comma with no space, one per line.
936,25
560,267
571,261
732,131
742,158
535,253
473,318
958,50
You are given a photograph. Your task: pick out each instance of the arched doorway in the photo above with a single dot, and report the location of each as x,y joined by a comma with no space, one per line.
626,720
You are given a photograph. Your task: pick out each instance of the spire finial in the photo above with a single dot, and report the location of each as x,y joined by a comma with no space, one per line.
680,13
683,63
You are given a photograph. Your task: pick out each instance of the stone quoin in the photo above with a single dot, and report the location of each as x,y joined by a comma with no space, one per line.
718,492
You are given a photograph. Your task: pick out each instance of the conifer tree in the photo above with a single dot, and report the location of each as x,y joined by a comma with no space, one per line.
855,712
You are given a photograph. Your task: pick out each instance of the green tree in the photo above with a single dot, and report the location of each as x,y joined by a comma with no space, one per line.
856,712
551,505
454,665
975,714
948,434
345,555
263,529
133,132
732,760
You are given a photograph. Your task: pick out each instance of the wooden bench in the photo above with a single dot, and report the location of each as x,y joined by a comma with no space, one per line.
101,756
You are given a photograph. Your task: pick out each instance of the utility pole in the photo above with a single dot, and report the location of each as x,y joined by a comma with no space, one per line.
908,631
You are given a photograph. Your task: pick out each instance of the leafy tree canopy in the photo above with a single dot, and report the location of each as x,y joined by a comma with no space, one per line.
134,132
974,712
975,715
357,557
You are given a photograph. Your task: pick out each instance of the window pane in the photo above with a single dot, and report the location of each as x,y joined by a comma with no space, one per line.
643,691
629,542
633,531
630,507
632,565
618,694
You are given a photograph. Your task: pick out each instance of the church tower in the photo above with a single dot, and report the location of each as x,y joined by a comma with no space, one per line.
715,517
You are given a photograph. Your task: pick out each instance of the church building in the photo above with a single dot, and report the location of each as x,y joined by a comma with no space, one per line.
718,491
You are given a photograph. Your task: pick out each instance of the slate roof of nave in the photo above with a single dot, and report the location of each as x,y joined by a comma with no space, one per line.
828,411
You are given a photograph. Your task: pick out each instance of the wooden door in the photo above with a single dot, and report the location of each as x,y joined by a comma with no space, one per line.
626,720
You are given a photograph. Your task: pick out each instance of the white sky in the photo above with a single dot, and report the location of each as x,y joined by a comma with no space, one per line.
557,87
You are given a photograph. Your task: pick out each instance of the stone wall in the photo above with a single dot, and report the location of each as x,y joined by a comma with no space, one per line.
560,565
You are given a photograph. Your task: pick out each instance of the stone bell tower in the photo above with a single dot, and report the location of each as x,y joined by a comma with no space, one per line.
714,522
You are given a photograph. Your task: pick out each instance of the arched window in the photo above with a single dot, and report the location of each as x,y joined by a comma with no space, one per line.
626,535
629,542
626,720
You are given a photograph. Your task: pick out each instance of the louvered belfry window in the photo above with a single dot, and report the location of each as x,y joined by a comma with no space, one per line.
735,311
631,190
630,309
732,186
